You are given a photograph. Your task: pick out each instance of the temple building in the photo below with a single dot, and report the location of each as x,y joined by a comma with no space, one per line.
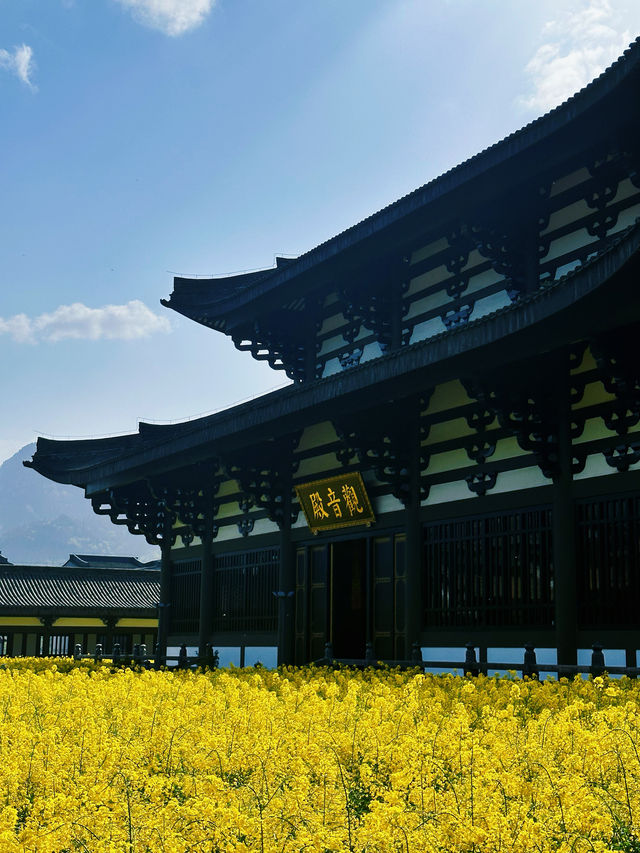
48,610
457,457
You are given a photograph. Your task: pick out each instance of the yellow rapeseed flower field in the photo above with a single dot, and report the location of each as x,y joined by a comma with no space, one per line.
314,760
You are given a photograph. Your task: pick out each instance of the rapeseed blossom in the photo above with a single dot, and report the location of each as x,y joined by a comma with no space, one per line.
314,760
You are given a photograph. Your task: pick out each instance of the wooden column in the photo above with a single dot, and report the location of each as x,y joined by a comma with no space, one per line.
369,582
564,545
414,550
205,623
109,624
46,622
164,605
286,584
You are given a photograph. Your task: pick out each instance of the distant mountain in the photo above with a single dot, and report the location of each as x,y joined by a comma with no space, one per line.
42,522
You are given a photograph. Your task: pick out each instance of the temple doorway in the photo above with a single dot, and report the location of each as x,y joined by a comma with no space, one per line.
349,598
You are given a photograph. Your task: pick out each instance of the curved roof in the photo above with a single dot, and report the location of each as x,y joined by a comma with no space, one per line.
208,300
582,303
71,589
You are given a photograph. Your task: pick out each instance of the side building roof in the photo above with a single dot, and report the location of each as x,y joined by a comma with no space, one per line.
40,590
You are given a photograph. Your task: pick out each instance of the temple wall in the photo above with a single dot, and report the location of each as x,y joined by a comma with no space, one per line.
450,471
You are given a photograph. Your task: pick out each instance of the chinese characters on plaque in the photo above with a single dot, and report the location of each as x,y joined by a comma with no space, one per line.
335,502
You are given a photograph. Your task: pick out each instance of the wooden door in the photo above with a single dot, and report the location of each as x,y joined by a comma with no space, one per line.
312,612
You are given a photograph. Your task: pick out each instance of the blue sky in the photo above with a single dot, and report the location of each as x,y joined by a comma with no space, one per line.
142,138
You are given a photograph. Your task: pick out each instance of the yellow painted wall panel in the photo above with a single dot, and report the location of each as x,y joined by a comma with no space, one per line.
317,465
450,461
625,219
317,435
588,362
449,395
482,280
507,448
524,478
179,551
333,344
78,622
489,304
30,621
264,525
227,533
569,181
568,214
335,321
386,503
229,487
594,429
475,258
428,250
137,623
428,303
448,492
228,509
625,190
428,279
332,365
594,393
427,329
596,466
563,245
455,428
196,541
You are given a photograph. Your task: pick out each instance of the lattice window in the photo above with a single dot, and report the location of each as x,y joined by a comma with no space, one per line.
490,570
608,560
185,596
244,587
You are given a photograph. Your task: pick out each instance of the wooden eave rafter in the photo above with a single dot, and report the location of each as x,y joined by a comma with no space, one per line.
591,300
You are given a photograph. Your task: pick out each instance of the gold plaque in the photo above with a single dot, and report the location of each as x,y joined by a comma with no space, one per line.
335,502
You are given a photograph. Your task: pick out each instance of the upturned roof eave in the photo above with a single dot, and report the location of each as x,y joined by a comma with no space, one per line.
495,156
440,355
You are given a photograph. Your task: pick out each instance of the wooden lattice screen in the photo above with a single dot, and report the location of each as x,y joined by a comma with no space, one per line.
490,570
608,561
245,583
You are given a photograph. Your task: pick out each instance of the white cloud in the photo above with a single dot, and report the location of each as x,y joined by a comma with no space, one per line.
18,327
20,63
172,17
577,48
121,322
